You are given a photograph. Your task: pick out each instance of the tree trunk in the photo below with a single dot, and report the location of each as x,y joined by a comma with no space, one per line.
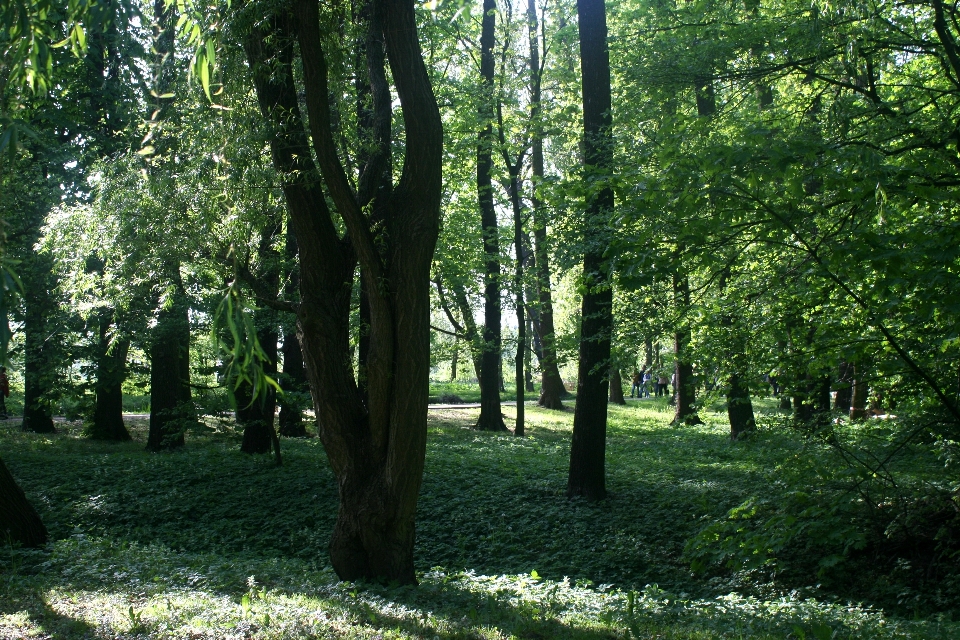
844,388
858,407
107,423
490,418
256,414
19,522
587,451
454,359
739,408
171,410
37,362
376,450
294,379
552,390
616,386
685,387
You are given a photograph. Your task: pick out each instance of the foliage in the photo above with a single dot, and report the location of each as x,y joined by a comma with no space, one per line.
177,537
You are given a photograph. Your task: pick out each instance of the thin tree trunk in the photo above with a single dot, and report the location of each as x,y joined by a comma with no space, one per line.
858,407
588,447
552,390
844,395
616,386
491,418
685,412
294,379
19,522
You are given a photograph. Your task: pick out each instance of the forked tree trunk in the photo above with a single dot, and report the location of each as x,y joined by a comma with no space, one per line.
376,450
588,448
19,522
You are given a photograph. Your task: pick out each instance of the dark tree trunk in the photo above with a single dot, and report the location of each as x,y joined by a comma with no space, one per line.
376,450
171,408
685,387
858,406
739,408
294,379
38,363
107,423
19,522
256,414
528,376
454,360
490,418
587,451
844,388
616,386
552,390
647,354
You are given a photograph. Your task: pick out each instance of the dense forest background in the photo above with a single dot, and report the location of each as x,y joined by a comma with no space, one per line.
229,225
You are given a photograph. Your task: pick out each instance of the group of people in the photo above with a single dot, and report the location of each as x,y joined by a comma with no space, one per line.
644,379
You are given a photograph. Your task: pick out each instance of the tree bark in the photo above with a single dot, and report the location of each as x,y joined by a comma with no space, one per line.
256,414
739,408
552,391
107,423
38,367
616,386
171,407
19,522
587,451
376,450
294,379
844,386
491,419
858,406
685,411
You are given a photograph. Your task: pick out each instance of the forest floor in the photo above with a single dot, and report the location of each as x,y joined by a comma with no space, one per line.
207,542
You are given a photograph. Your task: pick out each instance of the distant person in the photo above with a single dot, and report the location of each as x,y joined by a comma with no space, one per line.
4,392
635,383
647,377
662,383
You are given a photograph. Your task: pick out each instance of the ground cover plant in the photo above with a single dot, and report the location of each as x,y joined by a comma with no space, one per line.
206,542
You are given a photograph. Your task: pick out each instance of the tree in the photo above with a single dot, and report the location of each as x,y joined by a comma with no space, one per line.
587,451
20,522
376,449
491,419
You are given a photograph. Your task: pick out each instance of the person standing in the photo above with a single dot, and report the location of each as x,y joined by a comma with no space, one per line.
635,387
4,392
647,377
662,383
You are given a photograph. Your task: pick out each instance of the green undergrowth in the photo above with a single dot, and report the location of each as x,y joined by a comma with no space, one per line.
210,543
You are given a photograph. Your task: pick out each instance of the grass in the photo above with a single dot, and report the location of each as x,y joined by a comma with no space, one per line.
211,543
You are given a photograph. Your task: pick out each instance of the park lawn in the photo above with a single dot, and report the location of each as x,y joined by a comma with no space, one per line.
210,543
